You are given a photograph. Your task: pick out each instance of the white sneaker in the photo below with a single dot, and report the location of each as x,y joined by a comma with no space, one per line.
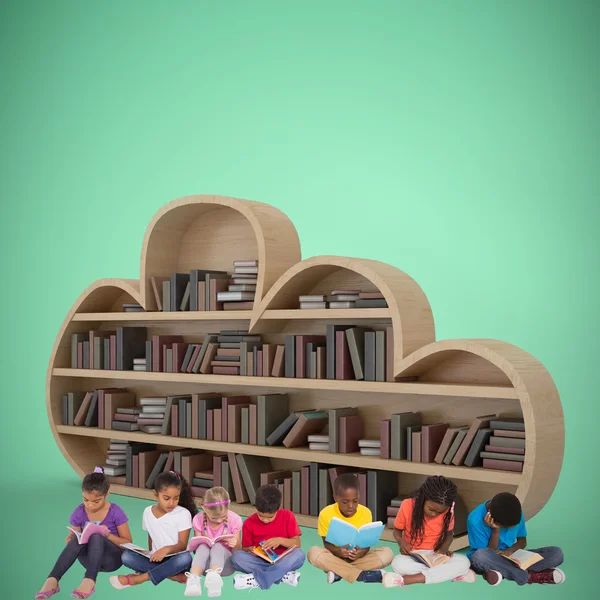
390,579
193,586
213,582
244,581
468,577
332,577
291,578
559,575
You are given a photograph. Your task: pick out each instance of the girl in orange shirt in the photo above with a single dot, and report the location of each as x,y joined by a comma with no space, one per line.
425,523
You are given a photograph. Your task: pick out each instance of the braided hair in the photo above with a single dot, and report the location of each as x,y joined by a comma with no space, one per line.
211,496
437,489
169,479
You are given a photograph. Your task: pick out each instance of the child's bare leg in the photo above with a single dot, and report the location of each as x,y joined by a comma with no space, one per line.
418,578
135,579
86,586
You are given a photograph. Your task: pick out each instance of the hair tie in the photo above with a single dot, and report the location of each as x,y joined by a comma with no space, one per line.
99,470
452,508
178,475
217,503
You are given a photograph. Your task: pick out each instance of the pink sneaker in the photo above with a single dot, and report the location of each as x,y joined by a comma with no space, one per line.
468,577
392,580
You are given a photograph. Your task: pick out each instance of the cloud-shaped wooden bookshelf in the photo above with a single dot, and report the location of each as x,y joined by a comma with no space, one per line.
450,381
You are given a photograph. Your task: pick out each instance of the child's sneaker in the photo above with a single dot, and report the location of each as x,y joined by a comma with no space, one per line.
333,577
468,577
213,583
390,579
493,577
555,576
291,578
244,581
193,586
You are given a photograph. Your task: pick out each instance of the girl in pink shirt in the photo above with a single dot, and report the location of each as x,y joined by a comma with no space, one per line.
213,521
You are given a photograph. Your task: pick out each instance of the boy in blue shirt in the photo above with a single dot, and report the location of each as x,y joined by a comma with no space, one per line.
497,529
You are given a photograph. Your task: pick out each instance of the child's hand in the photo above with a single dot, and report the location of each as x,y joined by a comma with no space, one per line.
272,543
405,547
158,555
490,522
506,552
357,553
345,552
105,530
447,553
68,539
231,542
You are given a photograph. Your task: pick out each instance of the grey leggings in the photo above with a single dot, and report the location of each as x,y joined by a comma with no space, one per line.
97,555
217,555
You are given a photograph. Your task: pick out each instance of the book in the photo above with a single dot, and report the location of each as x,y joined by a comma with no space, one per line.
431,560
509,424
199,540
87,532
145,552
307,424
477,424
258,551
524,558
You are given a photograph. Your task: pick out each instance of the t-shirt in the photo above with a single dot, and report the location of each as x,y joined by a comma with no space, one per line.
283,525
234,525
432,527
480,533
113,519
361,517
165,530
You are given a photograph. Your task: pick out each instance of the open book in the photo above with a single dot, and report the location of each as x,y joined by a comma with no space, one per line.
430,559
342,533
258,551
144,552
87,532
210,542
524,558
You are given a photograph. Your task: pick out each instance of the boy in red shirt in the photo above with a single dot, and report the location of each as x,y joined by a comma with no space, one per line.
279,530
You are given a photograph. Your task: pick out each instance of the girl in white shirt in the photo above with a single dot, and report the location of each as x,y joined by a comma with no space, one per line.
168,523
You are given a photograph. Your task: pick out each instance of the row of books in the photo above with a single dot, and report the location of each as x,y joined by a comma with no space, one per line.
345,352
343,299
490,441
306,490
202,289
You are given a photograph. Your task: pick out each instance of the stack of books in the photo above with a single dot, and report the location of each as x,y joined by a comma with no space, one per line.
369,447
343,299
241,287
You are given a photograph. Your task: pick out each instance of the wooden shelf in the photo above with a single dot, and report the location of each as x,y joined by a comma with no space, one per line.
245,510
284,383
303,455
166,317
449,381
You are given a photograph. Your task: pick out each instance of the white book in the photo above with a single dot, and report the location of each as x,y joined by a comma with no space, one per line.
117,462
318,438
370,451
139,367
318,446
369,443
341,305
253,270
113,471
314,298
159,408
152,401
245,263
343,298
151,428
145,415
247,281
139,361
235,296
309,305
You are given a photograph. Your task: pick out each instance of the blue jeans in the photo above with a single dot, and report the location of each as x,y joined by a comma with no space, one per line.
157,570
486,559
264,573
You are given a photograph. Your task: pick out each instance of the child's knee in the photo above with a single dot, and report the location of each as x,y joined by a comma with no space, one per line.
299,557
483,556
462,562
402,565
386,556
315,553
128,558
556,555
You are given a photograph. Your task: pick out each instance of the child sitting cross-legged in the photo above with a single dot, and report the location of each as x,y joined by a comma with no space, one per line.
279,531
350,564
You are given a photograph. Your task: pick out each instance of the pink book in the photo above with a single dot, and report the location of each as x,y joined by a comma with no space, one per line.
87,532
343,363
259,363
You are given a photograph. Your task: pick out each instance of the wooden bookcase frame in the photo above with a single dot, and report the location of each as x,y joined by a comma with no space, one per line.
456,380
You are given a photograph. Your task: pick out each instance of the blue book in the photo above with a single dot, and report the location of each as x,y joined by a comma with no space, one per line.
342,533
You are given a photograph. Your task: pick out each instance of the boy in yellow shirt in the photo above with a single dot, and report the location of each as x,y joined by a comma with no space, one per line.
357,564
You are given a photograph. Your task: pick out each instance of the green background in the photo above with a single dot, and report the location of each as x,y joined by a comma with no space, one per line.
457,141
